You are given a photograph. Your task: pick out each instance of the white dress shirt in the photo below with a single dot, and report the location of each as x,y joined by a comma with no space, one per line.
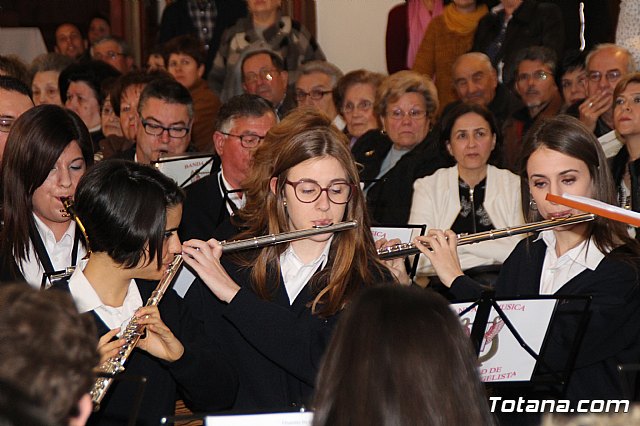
296,273
60,252
557,271
233,197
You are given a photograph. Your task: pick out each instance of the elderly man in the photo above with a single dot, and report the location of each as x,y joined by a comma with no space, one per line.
476,81
536,86
165,115
15,99
314,88
263,74
69,41
115,52
242,123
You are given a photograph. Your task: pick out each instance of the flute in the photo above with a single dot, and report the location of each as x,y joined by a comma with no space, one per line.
408,249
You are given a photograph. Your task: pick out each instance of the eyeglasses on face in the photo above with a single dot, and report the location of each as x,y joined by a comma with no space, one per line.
154,129
611,76
110,54
315,94
363,106
308,191
265,74
247,141
414,114
536,75
6,123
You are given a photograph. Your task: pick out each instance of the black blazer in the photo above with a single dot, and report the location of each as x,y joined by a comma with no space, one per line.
202,377
613,332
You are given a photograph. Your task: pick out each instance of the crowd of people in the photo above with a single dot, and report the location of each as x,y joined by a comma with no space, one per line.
488,108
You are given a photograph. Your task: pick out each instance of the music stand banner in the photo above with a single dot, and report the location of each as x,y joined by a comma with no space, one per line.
502,358
271,419
185,169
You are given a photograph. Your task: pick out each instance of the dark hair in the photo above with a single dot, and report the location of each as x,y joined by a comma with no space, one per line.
49,349
36,141
302,135
19,409
394,349
12,84
449,120
568,136
130,200
276,59
245,105
133,78
571,61
536,53
185,45
623,83
168,90
361,76
92,73
14,67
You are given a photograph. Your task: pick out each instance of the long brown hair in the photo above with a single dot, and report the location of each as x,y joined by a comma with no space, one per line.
35,142
353,261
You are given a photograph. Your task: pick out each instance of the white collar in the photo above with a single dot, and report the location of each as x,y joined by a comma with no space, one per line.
47,234
585,254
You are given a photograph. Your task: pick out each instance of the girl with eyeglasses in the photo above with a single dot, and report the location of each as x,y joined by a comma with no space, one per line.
274,309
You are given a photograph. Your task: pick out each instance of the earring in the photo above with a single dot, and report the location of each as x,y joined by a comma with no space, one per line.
284,203
532,204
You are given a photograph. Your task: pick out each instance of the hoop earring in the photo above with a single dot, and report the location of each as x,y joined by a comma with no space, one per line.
532,204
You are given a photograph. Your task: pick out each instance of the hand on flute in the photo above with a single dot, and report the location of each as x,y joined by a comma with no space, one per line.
442,251
108,348
159,341
204,258
396,265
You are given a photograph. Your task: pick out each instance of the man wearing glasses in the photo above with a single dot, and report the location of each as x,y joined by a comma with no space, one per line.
15,99
535,84
314,88
113,51
242,123
263,74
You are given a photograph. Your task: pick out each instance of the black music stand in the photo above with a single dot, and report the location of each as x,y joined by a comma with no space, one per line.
412,266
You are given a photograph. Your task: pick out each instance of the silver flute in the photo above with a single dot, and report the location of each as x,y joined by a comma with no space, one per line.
408,249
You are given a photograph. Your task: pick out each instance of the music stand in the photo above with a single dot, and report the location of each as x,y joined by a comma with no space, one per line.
412,266
136,401
185,168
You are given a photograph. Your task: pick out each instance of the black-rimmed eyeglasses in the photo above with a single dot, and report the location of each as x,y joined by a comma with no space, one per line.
315,94
154,129
308,191
247,141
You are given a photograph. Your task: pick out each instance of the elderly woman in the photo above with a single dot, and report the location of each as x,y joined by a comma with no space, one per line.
393,159
472,196
185,56
267,28
45,70
354,96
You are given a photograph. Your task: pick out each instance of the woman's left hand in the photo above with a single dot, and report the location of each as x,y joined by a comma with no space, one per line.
396,266
160,341
204,258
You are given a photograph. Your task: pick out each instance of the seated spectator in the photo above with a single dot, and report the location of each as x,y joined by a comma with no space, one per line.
448,36
263,74
184,56
534,83
155,60
354,97
476,81
15,99
514,25
472,196
45,70
314,88
99,28
406,103
393,351
572,77
265,24
69,41
113,51
80,91
49,352
109,120
12,66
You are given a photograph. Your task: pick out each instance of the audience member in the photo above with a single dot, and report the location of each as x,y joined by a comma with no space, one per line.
472,196
406,103
81,91
99,28
12,66
263,74
155,60
376,372
243,122
476,81
15,99
514,25
354,97
314,88
49,351
109,121
206,19
45,70
536,86
113,51
265,27
185,56
448,36
47,152
69,41
572,78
